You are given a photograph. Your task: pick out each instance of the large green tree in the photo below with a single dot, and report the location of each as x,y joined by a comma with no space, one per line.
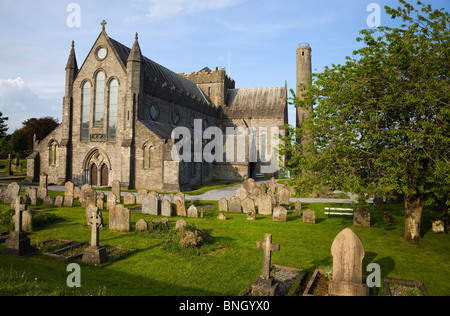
381,121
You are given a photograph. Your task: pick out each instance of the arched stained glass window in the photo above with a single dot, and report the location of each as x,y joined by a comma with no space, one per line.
99,111
85,111
112,113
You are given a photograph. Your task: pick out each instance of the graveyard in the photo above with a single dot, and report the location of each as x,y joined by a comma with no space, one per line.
137,254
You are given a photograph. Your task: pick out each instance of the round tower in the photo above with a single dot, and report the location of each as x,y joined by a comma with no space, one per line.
304,70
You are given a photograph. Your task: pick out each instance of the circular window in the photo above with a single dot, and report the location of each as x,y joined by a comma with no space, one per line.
102,52
154,112
175,117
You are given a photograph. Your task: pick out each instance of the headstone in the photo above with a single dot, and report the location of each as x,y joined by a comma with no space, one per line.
361,217
119,219
27,221
76,192
11,193
116,190
298,208
223,205
95,254
166,208
68,201
91,208
378,203
42,193
100,202
248,205
264,284
348,253
32,194
111,201
181,224
180,208
88,196
309,216
129,199
272,186
235,205
68,189
49,200
222,217
18,244
241,193
43,178
141,225
284,196
265,205
140,194
150,204
192,211
251,215
59,201
279,214
8,167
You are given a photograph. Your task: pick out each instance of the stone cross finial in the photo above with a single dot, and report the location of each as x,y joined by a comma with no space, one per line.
95,222
18,217
268,247
103,25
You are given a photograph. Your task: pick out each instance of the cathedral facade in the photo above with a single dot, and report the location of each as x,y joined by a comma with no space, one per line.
120,110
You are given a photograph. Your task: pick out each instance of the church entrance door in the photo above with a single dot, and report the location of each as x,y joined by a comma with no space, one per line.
105,176
94,175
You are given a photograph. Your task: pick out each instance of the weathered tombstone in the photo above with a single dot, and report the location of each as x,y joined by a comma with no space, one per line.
192,211
68,201
88,196
100,202
49,200
241,193
348,253
42,193
151,204
43,180
272,186
284,196
248,205
265,205
95,254
119,219
32,194
223,205
111,201
68,189
264,285
8,167
91,207
166,208
59,201
251,215
180,208
76,192
116,190
18,244
27,221
181,224
378,203
141,225
361,217
298,208
140,194
11,193
222,217
309,216
129,199
279,214
235,205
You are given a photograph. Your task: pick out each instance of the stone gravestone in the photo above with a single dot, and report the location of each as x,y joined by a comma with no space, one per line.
43,180
192,211
298,208
8,167
279,214
348,253
95,254
88,196
111,200
59,201
361,217
166,208
284,196
265,205
129,199
11,193
68,201
248,205
76,192
180,208
116,190
141,225
49,200
140,194
264,285
68,189
18,244
32,194
119,219
150,204
241,193
309,216
235,205
223,205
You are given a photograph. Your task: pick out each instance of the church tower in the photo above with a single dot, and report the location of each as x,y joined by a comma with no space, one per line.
304,70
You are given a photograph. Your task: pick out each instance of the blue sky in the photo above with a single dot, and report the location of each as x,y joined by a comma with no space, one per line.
257,38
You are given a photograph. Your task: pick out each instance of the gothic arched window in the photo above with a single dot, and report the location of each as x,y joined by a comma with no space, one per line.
99,110
53,153
112,111
85,110
149,157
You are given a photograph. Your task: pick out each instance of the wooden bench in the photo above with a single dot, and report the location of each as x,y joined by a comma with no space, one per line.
342,211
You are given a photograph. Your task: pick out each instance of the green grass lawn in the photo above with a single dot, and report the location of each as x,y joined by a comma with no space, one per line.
228,265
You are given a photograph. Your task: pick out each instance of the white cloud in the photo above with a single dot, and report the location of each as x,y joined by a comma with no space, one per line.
162,9
19,103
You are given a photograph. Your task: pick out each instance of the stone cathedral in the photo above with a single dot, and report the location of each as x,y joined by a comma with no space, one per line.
120,109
